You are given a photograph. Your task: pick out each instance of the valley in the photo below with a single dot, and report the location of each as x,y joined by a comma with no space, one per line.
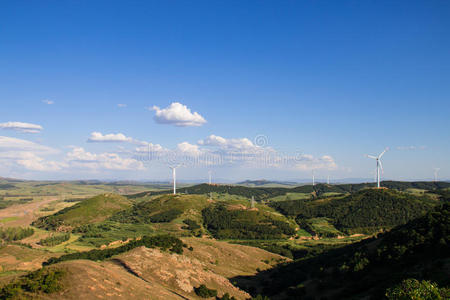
293,242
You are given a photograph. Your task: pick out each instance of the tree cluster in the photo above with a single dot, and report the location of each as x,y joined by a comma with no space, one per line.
164,242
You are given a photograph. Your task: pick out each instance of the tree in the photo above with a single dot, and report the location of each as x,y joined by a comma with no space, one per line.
412,289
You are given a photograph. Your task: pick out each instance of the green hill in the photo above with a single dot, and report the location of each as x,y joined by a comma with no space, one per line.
95,209
226,223
364,211
419,249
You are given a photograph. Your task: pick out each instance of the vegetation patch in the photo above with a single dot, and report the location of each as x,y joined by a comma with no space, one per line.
103,233
204,292
243,224
41,281
15,233
163,242
415,289
55,240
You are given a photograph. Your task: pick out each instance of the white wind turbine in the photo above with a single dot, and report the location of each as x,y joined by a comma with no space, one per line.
174,177
436,170
379,165
209,174
313,178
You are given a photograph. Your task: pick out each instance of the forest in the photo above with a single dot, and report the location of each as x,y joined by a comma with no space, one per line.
365,211
419,249
224,223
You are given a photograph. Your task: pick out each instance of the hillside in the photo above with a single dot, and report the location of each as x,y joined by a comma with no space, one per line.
364,211
224,222
95,209
144,273
162,209
419,249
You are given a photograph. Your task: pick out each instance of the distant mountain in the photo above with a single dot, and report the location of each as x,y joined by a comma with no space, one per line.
263,182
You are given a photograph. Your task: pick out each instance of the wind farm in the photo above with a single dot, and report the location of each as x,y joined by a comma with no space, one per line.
225,150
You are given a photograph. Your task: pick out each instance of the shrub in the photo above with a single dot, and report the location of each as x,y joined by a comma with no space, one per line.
55,240
43,280
15,233
417,290
203,292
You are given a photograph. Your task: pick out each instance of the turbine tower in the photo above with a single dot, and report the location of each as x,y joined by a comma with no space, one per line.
314,179
436,170
328,179
379,165
209,174
174,178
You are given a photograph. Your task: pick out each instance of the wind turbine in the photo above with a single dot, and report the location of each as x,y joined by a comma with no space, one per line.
174,178
209,174
328,179
379,165
436,170
314,180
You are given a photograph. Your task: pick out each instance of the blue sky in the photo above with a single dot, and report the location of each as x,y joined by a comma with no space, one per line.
324,83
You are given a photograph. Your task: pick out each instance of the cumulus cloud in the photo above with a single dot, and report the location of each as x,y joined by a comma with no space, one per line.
228,144
149,147
22,127
79,157
34,162
308,162
177,114
27,154
98,137
48,102
237,152
121,105
189,149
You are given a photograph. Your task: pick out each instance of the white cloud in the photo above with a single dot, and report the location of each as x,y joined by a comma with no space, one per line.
189,149
35,163
78,157
177,114
19,145
411,148
27,154
23,127
49,102
121,105
228,144
98,137
308,162
149,148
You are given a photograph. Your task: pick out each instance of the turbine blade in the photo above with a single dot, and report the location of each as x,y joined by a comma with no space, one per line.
371,156
381,166
382,153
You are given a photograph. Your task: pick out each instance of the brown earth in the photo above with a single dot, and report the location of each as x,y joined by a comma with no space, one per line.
144,273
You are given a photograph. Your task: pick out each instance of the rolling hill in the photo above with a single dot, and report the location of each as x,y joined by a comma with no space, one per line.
145,273
95,209
316,191
364,211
